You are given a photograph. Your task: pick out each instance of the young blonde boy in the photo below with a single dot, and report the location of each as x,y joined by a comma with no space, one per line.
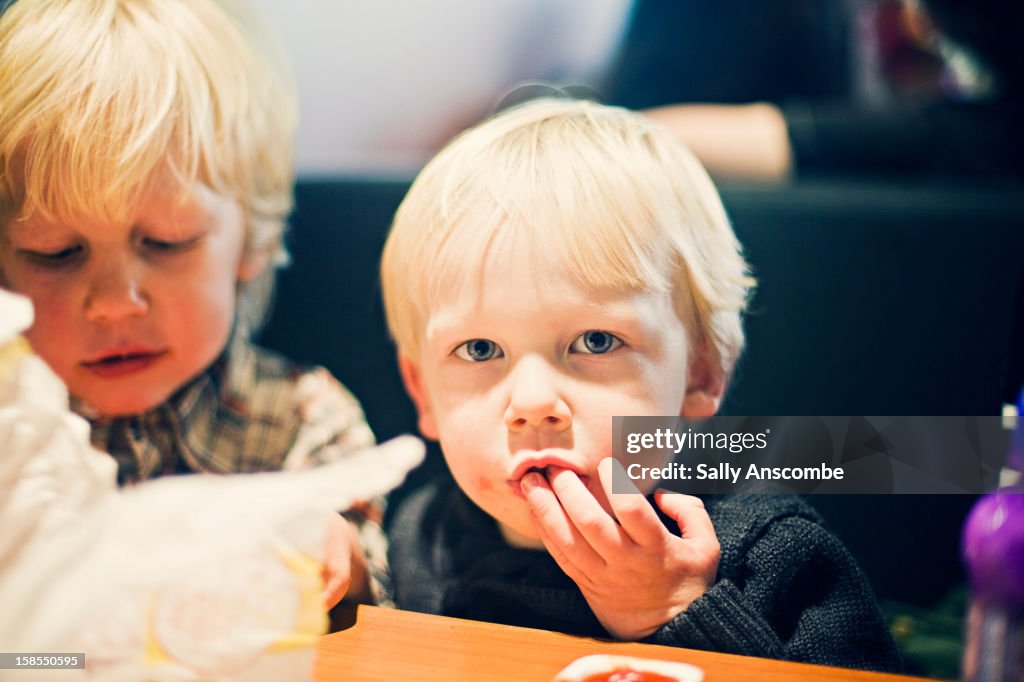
145,179
559,264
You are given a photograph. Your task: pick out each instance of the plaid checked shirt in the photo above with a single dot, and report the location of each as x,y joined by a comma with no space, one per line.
251,410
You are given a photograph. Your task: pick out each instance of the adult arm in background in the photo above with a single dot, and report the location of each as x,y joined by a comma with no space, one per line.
764,142
736,142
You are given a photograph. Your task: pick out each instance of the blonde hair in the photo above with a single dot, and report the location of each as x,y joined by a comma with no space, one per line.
603,192
98,96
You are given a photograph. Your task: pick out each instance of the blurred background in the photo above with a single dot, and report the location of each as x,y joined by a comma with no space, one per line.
383,85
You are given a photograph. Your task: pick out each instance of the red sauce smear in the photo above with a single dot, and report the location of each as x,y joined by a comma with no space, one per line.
628,676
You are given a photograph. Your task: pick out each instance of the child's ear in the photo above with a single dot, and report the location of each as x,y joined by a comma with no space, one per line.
413,381
252,265
705,384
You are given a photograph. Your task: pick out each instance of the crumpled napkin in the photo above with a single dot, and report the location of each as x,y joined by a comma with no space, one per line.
182,578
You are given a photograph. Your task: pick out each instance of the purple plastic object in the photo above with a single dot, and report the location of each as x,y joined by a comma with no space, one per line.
993,546
1015,459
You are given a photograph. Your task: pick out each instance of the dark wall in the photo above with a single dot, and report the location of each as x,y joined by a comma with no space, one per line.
873,300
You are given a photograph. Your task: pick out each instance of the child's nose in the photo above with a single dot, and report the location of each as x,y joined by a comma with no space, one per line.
115,292
535,400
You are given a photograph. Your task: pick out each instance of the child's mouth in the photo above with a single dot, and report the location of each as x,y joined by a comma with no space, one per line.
120,364
545,471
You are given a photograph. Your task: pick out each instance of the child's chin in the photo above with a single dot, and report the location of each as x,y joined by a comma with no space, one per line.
123,406
525,538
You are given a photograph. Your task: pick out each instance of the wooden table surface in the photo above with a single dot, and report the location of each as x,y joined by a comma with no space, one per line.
381,645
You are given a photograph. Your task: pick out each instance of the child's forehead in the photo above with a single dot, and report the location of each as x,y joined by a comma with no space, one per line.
548,249
478,258
523,286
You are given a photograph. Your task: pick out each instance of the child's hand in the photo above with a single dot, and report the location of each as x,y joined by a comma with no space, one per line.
633,572
344,564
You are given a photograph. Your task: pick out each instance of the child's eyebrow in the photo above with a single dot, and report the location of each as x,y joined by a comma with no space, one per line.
621,311
445,323
623,314
191,216
38,231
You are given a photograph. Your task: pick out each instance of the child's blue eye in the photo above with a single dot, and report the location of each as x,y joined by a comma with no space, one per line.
595,342
479,350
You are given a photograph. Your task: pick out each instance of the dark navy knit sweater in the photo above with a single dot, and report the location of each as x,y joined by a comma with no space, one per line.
786,587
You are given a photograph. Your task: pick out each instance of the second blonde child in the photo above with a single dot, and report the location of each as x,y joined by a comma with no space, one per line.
145,180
